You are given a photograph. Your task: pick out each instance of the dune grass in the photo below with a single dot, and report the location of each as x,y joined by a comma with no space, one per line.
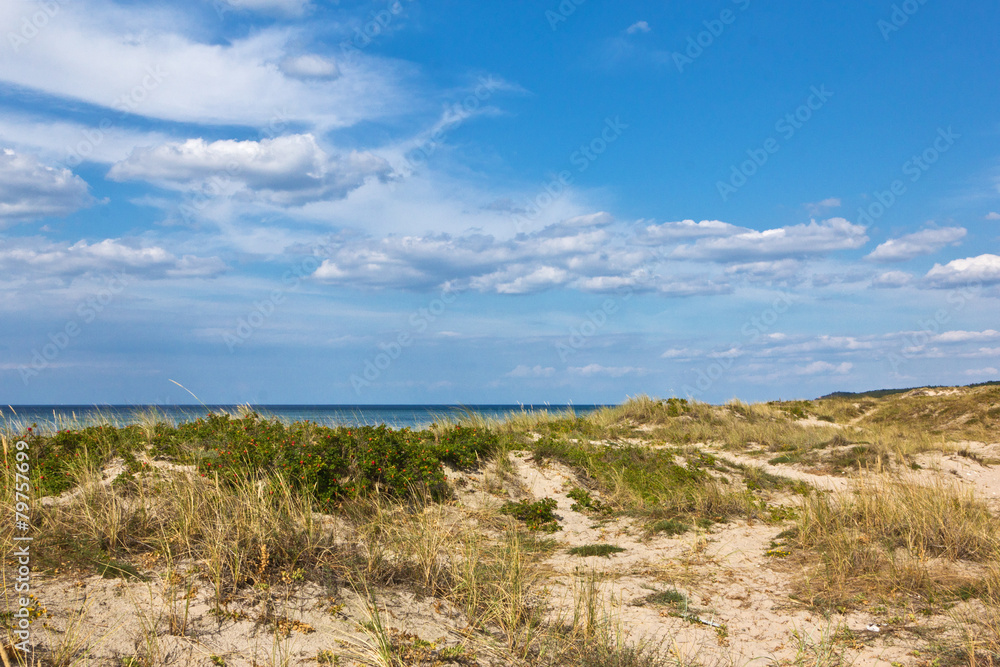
243,503
893,536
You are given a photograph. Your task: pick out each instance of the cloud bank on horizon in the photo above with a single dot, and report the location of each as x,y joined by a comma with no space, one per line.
396,201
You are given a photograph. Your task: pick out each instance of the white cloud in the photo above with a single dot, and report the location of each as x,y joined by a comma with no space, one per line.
638,26
965,336
919,243
892,279
146,61
685,229
580,254
611,371
536,280
824,343
819,207
680,353
310,67
31,190
523,371
691,286
45,260
67,143
289,7
992,215
731,353
983,372
774,270
824,368
795,241
984,269
286,170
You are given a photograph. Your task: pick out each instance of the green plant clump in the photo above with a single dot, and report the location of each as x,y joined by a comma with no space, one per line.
331,464
538,515
584,501
596,550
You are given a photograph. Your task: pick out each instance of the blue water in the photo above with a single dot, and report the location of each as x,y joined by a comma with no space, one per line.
50,417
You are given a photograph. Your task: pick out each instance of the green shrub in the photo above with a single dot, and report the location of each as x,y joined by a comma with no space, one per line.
537,515
670,527
672,597
330,463
585,502
595,550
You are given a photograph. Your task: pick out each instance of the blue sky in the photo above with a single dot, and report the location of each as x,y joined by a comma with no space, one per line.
299,201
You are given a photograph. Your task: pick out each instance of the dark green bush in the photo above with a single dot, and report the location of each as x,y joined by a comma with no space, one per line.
331,463
596,550
538,515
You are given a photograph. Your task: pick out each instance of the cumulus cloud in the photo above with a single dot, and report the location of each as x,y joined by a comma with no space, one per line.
31,190
285,170
984,269
46,260
992,215
965,336
684,229
527,263
983,372
611,371
824,344
824,368
580,253
680,353
782,269
819,207
638,26
892,279
522,371
919,243
310,67
813,239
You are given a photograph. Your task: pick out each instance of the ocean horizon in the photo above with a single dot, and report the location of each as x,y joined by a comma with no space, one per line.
395,416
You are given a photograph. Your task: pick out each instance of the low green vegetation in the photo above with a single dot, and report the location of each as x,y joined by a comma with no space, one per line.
670,598
243,506
537,515
583,502
329,464
595,550
664,484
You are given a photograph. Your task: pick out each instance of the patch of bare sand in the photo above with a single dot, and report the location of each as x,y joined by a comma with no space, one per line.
824,482
738,608
975,467
170,622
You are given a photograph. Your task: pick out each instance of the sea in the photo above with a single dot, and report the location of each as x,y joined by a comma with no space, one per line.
55,417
